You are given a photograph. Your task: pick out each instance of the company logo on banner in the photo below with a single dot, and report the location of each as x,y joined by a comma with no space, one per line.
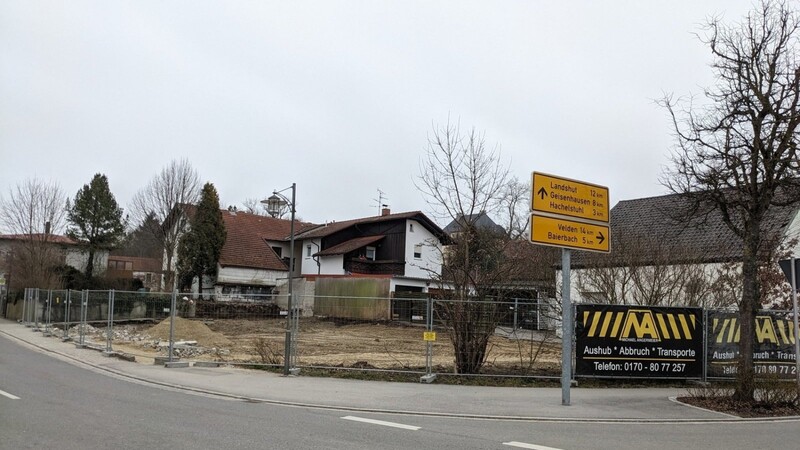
641,342
640,325
773,352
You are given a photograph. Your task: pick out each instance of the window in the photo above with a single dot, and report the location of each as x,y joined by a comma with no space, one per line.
308,251
278,251
418,251
411,227
371,253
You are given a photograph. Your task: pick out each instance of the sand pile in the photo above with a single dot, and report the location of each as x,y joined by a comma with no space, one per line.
189,330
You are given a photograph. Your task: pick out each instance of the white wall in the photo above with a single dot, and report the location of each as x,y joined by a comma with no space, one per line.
78,258
793,233
394,282
308,265
242,275
332,265
431,251
711,271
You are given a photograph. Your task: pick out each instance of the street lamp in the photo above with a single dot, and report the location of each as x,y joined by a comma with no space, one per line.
275,204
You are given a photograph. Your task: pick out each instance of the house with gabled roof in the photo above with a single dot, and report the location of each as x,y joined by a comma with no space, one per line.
658,256
68,251
255,257
374,257
481,221
385,256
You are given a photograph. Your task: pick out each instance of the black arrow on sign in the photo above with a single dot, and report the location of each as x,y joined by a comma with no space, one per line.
600,237
542,193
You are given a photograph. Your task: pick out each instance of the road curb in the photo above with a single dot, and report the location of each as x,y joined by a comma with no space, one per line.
208,392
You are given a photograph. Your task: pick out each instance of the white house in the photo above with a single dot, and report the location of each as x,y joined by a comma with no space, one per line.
391,253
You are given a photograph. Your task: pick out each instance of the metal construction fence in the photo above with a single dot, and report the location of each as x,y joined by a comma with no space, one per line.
414,334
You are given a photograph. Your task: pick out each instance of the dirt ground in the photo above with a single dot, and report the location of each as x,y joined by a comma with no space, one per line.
326,343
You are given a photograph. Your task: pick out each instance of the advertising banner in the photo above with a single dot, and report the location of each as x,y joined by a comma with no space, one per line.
639,341
773,352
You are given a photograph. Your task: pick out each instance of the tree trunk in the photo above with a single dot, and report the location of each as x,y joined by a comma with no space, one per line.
169,284
90,264
748,308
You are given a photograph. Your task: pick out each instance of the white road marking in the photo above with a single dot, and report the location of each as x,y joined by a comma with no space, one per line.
531,446
6,394
380,422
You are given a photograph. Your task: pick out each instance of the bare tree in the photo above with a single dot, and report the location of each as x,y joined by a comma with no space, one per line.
648,270
34,214
164,197
461,178
254,206
514,207
737,153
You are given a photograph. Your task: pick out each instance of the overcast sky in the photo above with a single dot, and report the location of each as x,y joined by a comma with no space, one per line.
340,96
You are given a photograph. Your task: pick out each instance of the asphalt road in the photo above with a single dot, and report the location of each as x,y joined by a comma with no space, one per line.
49,403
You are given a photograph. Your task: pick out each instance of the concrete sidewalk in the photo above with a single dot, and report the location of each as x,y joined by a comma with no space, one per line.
640,405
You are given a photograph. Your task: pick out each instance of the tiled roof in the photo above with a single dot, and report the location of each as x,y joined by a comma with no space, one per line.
333,227
41,237
349,246
481,221
652,227
245,244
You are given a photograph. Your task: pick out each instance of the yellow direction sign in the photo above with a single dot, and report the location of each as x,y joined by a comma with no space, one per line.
565,197
561,232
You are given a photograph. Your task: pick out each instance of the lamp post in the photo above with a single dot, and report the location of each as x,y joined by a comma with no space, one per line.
275,204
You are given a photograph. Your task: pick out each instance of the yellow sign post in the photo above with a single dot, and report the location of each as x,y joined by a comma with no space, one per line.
565,197
429,336
572,215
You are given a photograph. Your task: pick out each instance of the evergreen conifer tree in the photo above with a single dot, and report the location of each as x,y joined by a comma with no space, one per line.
95,219
200,247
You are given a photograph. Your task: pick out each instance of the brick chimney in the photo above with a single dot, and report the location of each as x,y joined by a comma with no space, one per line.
385,211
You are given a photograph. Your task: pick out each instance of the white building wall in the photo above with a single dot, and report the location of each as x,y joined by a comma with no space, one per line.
577,295
308,265
249,276
792,236
78,258
332,265
431,258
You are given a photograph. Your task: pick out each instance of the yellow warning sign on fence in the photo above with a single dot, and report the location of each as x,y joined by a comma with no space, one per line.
429,336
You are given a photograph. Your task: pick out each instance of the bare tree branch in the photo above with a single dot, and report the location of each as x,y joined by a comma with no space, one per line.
176,186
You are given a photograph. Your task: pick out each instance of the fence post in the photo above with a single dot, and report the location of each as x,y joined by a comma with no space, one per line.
110,327
83,314
429,375
516,313
34,311
705,345
21,319
295,331
172,316
538,311
34,305
67,299
25,298
48,327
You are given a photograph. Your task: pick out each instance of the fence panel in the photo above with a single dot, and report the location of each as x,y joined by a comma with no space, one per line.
484,338
357,332
773,352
